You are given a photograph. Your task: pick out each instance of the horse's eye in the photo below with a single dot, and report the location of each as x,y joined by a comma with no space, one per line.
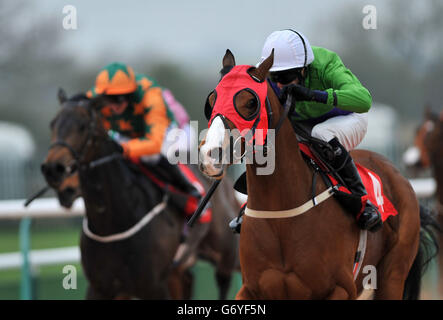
246,104
252,104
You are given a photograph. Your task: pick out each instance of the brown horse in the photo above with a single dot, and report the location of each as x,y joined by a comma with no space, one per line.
311,256
134,268
426,153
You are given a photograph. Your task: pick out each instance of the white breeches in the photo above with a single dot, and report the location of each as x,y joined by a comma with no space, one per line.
349,129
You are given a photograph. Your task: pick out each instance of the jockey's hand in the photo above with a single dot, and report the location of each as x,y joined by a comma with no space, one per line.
301,93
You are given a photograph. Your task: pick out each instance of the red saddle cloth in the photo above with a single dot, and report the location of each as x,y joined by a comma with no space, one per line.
185,202
371,181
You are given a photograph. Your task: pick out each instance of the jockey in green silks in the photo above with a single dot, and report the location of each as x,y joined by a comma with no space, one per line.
330,99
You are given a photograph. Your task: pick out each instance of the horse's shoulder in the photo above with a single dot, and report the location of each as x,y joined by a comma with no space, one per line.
395,185
370,159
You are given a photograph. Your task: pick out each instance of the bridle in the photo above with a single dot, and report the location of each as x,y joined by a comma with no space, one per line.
288,108
80,162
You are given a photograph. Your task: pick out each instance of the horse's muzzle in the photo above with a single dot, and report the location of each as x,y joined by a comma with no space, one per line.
212,153
67,196
210,162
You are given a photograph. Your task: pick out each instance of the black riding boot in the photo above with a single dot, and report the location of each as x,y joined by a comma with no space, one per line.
178,178
235,223
370,219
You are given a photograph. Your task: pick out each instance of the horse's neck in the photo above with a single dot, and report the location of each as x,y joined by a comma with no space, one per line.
114,202
289,185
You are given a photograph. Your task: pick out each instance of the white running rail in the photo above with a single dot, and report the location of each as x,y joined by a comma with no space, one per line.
49,207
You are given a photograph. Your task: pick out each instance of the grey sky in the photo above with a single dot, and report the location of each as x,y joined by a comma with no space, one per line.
195,33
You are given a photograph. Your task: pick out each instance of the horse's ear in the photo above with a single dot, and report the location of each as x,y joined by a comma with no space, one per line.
262,71
97,102
61,95
228,59
429,114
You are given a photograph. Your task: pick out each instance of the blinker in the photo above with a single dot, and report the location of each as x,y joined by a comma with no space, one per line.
237,80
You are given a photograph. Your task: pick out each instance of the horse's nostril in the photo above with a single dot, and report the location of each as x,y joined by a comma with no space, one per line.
53,172
69,191
60,168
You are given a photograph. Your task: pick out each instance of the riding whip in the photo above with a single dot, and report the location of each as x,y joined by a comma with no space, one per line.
37,195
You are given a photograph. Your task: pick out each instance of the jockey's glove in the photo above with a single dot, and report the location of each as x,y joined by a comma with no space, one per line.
301,93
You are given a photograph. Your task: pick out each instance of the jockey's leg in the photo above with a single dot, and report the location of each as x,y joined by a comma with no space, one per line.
180,180
369,218
344,133
349,129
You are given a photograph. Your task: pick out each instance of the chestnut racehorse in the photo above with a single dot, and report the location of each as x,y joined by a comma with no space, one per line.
427,153
141,265
311,256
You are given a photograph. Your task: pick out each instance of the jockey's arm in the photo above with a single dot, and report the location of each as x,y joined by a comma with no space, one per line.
350,94
156,124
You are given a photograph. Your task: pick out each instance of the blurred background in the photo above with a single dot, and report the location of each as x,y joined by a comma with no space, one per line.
181,44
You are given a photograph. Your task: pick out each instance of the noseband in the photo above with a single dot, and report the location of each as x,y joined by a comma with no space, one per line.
240,121
288,108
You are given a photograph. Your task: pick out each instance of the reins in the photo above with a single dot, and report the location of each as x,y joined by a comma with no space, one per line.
315,200
77,162
287,109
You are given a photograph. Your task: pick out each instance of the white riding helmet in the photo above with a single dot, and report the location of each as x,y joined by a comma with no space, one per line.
291,50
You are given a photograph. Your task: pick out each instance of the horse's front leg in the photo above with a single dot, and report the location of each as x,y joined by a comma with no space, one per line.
92,294
339,293
243,294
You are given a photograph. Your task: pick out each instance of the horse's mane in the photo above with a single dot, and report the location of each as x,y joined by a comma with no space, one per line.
78,97
71,100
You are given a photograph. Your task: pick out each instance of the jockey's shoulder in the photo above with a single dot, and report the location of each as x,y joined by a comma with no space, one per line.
324,57
145,82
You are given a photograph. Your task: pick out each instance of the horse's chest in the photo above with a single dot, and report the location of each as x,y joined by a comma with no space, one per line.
113,269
